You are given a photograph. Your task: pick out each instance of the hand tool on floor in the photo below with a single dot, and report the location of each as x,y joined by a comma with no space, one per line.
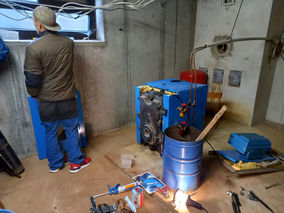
252,196
117,189
242,190
211,124
273,185
235,201
102,208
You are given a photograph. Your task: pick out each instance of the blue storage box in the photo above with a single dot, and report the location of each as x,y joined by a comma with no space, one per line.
251,145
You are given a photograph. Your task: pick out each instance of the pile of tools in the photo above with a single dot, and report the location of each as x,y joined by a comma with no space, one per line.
236,204
146,181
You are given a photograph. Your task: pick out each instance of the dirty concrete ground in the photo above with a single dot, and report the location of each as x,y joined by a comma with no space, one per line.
40,191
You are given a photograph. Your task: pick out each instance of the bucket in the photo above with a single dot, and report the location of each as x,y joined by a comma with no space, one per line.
182,158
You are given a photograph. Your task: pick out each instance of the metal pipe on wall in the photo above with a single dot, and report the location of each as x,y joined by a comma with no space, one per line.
237,40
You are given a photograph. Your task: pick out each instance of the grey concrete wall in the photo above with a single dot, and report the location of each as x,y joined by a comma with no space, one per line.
15,119
264,96
275,112
159,43
143,46
212,20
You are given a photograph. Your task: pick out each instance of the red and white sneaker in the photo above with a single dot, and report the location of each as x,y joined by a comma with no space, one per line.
77,167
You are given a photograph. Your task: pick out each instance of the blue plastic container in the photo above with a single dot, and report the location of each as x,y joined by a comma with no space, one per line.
182,159
252,145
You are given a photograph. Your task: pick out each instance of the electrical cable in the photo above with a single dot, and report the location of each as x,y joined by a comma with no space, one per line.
9,17
236,19
210,145
215,152
23,13
79,9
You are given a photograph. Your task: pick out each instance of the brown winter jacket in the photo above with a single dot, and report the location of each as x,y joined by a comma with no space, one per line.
48,68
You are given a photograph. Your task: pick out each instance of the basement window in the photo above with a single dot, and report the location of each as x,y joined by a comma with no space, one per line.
15,24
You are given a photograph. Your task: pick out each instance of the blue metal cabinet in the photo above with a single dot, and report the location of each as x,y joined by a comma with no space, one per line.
40,131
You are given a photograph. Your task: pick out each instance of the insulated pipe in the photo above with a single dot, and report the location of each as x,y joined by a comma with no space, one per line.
195,50
237,40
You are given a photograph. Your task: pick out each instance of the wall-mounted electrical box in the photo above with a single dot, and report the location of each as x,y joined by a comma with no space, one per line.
218,76
204,69
235,78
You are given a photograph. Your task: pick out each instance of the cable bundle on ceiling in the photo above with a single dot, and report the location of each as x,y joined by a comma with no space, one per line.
25,8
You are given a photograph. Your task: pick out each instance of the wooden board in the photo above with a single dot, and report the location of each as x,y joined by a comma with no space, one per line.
230,166
249,171
144,160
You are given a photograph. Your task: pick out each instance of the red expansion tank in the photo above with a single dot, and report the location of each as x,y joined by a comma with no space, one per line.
189,76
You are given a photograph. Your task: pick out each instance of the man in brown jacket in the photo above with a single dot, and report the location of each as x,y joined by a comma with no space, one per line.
49,79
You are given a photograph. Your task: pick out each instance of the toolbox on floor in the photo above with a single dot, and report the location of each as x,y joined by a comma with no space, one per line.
251,145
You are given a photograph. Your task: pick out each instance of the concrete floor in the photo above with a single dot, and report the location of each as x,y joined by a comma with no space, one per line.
40,191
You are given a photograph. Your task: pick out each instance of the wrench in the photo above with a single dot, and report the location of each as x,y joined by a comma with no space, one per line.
252,196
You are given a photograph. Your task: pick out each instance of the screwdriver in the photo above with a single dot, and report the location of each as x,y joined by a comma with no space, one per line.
118,189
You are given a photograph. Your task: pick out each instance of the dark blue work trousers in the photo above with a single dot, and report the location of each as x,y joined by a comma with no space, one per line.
71,145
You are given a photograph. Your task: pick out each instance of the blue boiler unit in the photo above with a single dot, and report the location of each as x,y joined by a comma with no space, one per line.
157,105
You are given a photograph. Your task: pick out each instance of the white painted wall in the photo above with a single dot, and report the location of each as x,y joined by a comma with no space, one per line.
265,84
213,19
275,111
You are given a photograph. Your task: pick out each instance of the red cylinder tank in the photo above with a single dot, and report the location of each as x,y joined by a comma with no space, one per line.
189,76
